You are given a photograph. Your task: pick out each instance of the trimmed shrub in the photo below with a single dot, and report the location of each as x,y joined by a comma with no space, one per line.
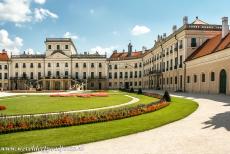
139,91
167,96
131,90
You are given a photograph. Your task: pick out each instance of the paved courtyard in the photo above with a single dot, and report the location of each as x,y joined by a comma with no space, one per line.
206,131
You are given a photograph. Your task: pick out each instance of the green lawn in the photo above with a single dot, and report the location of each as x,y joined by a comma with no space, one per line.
43,104
67,136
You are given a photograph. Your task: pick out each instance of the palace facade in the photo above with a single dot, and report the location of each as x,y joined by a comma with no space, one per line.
193,58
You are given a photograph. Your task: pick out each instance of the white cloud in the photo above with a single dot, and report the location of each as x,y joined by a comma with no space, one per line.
101,50
69,35
9,44
40,1
30,51
41,14
92,11
139,30
17,11
116,33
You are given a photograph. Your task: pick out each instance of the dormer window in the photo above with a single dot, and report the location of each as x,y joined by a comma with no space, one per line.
66,47
49,47
58,47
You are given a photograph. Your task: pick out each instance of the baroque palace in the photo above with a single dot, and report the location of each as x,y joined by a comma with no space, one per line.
193,58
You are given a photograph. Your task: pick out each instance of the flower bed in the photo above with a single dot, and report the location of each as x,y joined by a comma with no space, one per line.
2,108
84,95
20,123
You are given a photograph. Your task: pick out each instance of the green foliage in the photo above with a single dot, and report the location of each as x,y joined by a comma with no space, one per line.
167,96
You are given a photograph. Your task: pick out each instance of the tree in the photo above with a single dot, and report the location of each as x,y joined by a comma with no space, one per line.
167,96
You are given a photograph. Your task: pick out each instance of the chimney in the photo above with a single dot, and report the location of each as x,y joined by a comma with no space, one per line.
225,26
185,20
174,28
130,48
3,51
164,35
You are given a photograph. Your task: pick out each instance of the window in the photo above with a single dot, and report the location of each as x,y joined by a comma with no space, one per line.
92,75
39,65
135,75
126,74
100,65
92,84
131,75
139,83
110,84
24,75
188,79
176,80
212,76
16,65
76,75
0,67
66,64
135,65
181,44
16,74
24,65
84,65
181,58
0,75
49,73
5,76
84,75
31,65
195,78
49,65
31,75
49,47
171,80
140,65
140,74
5,67
76,65
39,75
167,80
115,66
58,47
66,73
203,77
115,75
110,75
121,75
66,47
92,65
57,73
193,42
100,75
110,67
57,65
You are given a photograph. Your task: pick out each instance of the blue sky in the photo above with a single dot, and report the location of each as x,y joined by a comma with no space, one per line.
102,25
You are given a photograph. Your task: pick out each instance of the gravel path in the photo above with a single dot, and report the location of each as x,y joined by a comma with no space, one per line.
206,131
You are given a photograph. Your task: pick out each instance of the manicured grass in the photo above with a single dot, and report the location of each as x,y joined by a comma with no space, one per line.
67,136
44,104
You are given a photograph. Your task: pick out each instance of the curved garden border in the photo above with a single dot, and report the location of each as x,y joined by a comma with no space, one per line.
25,123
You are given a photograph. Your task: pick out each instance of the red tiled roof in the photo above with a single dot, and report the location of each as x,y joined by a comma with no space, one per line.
124,55
4,56
212,45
